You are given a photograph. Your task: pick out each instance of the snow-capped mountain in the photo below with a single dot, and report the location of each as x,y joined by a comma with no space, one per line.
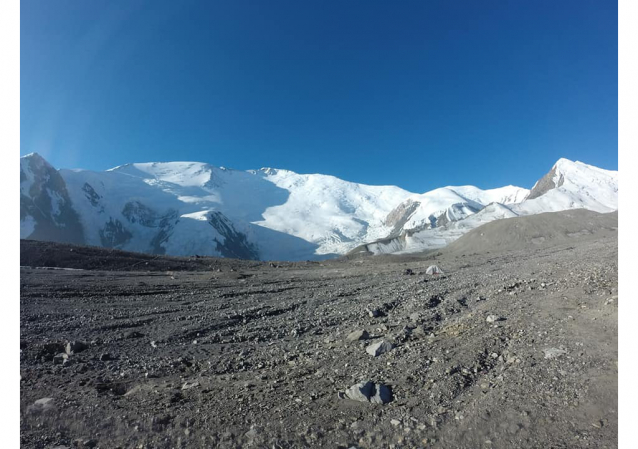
186,208
568,185
572,185
46,210
446,205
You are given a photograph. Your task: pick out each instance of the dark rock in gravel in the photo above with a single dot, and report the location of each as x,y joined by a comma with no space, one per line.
61,359
434,301
51,349
85,443
368,391
75,346
133,334
116,388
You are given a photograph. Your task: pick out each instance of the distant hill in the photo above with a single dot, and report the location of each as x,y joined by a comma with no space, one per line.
534,231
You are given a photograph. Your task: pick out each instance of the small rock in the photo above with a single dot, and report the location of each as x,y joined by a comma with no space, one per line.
552,353
419,331
133,334
434,270
106,356
382,395
41,406
395,422
53,348
374,313
81,442
408,272
361,392
358,335
493,318
379,348
75,346
61,359
189,385
252,433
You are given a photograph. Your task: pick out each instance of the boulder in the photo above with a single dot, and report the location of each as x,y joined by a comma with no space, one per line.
368,391
379,348
75,346
358,335
41,406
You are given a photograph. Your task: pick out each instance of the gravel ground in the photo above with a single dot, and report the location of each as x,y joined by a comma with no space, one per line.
510,349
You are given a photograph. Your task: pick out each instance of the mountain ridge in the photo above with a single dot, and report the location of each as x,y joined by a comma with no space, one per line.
184,208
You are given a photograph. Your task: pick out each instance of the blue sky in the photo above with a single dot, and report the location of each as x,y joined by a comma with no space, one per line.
417,94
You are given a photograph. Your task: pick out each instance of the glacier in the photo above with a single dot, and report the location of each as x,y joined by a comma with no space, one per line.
188,208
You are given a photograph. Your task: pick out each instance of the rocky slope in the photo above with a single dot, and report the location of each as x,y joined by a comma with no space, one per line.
506,349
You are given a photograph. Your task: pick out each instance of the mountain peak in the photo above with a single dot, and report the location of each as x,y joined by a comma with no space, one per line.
570,185
35,162
184,208
564,162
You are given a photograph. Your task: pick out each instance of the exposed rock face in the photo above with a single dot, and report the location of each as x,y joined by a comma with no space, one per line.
400,215
93,197
114,234
235,243
137,212
545,184
45,204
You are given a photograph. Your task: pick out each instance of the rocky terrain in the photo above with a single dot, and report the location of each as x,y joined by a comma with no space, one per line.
509,347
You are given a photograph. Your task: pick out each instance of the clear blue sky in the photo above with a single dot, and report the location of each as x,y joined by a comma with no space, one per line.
418,94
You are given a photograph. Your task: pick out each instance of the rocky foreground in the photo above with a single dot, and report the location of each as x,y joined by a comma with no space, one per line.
503,350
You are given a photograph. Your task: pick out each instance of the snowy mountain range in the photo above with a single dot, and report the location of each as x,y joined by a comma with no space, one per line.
187,208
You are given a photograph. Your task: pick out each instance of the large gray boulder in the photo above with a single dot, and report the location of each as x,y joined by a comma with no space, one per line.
368,391
379,348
